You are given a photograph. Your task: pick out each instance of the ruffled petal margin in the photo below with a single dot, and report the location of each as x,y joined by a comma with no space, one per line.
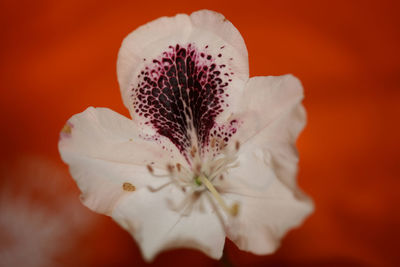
157,224
273,117
264,183
107,157
268,208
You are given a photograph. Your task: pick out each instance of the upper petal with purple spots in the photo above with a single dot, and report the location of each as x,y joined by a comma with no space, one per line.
181,92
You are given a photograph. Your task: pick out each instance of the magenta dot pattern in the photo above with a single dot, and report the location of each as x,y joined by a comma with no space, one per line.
181,92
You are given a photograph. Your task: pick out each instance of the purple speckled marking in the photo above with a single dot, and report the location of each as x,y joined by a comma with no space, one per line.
183,91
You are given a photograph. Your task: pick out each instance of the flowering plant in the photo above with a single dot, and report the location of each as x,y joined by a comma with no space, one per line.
209,152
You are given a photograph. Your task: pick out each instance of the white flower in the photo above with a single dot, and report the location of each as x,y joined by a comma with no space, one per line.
208,154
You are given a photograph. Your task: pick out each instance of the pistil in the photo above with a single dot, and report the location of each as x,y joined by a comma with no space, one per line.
233,210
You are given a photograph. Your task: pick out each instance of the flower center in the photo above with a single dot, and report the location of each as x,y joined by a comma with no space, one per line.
232,210
202,177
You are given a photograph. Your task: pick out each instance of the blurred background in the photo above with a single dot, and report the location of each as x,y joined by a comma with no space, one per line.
59,57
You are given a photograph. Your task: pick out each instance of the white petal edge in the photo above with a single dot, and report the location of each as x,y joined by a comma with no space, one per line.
265,182
273,118
203,28
268,208
156,227
104,150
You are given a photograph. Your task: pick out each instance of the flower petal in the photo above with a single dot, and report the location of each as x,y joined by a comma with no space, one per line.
272,118
180,75
202,28
108,158
264,183
157,227
268,208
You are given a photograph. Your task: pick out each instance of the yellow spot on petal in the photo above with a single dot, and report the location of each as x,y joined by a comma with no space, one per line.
130,139
66,129
128,187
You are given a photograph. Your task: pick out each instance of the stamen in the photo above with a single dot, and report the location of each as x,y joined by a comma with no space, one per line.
151,171
222,169
222,165
186,201
156,189
185,173
230,210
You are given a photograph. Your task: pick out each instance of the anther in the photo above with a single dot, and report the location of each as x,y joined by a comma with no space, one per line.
170,168
150,169
237,145
178,166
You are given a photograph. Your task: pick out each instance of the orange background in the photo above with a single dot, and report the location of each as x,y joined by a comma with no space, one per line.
58,57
